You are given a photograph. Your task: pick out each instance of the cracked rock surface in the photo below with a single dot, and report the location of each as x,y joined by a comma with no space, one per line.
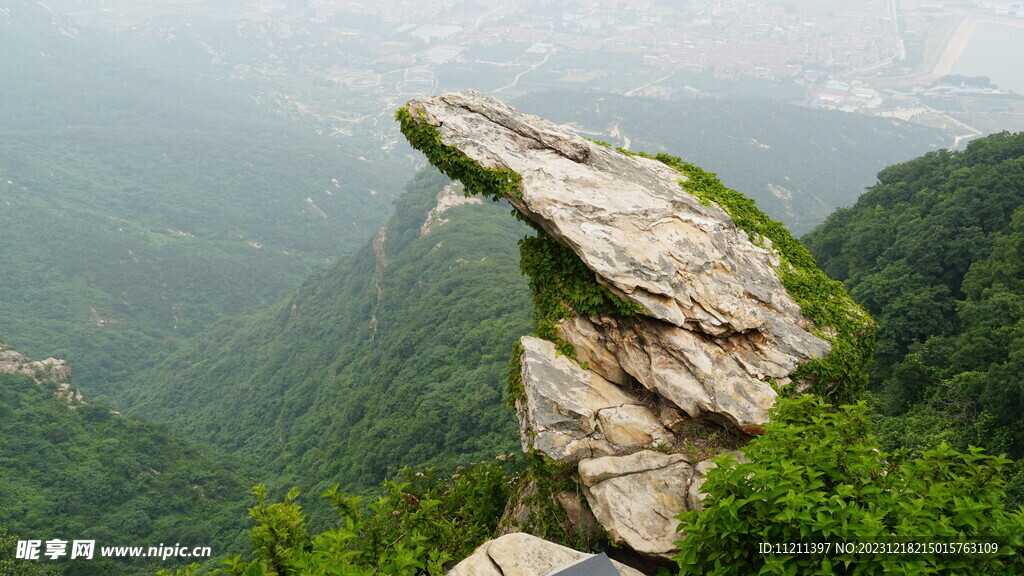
636,498
571,413
50,370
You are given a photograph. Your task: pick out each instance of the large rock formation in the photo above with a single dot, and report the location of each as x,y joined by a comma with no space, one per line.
720,323
710,335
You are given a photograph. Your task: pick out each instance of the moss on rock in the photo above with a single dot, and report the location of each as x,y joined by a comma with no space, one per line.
843,374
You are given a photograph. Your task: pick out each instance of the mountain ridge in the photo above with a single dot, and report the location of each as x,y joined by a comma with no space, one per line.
360,360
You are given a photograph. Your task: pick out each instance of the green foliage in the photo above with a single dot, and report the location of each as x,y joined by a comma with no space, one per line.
515,389
417,524
818,476
842,375
279,536
903,250
85,473
562,285
493,183
934,252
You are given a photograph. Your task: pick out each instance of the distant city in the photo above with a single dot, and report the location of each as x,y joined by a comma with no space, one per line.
877,57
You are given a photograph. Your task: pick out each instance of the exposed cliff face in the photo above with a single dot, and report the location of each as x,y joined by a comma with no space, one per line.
666,316
451,196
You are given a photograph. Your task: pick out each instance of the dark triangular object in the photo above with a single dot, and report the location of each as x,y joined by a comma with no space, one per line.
598,565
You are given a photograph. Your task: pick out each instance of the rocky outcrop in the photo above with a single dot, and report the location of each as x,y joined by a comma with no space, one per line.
50,373
636,497
523,555
449,197
701,330
720,325
729,378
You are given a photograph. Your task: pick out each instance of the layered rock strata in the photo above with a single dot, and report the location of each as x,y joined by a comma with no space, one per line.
710,337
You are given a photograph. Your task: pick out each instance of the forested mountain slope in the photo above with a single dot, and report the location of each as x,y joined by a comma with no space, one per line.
934,252
311,385
798,164
639,469
141,205
395,356
77,470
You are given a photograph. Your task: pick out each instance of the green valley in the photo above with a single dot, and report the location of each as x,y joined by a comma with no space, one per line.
394,356
79,470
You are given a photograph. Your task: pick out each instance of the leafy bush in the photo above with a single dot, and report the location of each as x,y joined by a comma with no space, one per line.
818,476
419,523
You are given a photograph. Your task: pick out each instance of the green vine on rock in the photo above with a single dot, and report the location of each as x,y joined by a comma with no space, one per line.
842,375
548,518
516,390
562,285
493,183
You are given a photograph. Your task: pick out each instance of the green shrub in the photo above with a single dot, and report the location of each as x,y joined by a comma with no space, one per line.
818,476
417,525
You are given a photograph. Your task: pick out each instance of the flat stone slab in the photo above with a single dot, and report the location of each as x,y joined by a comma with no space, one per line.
524,555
